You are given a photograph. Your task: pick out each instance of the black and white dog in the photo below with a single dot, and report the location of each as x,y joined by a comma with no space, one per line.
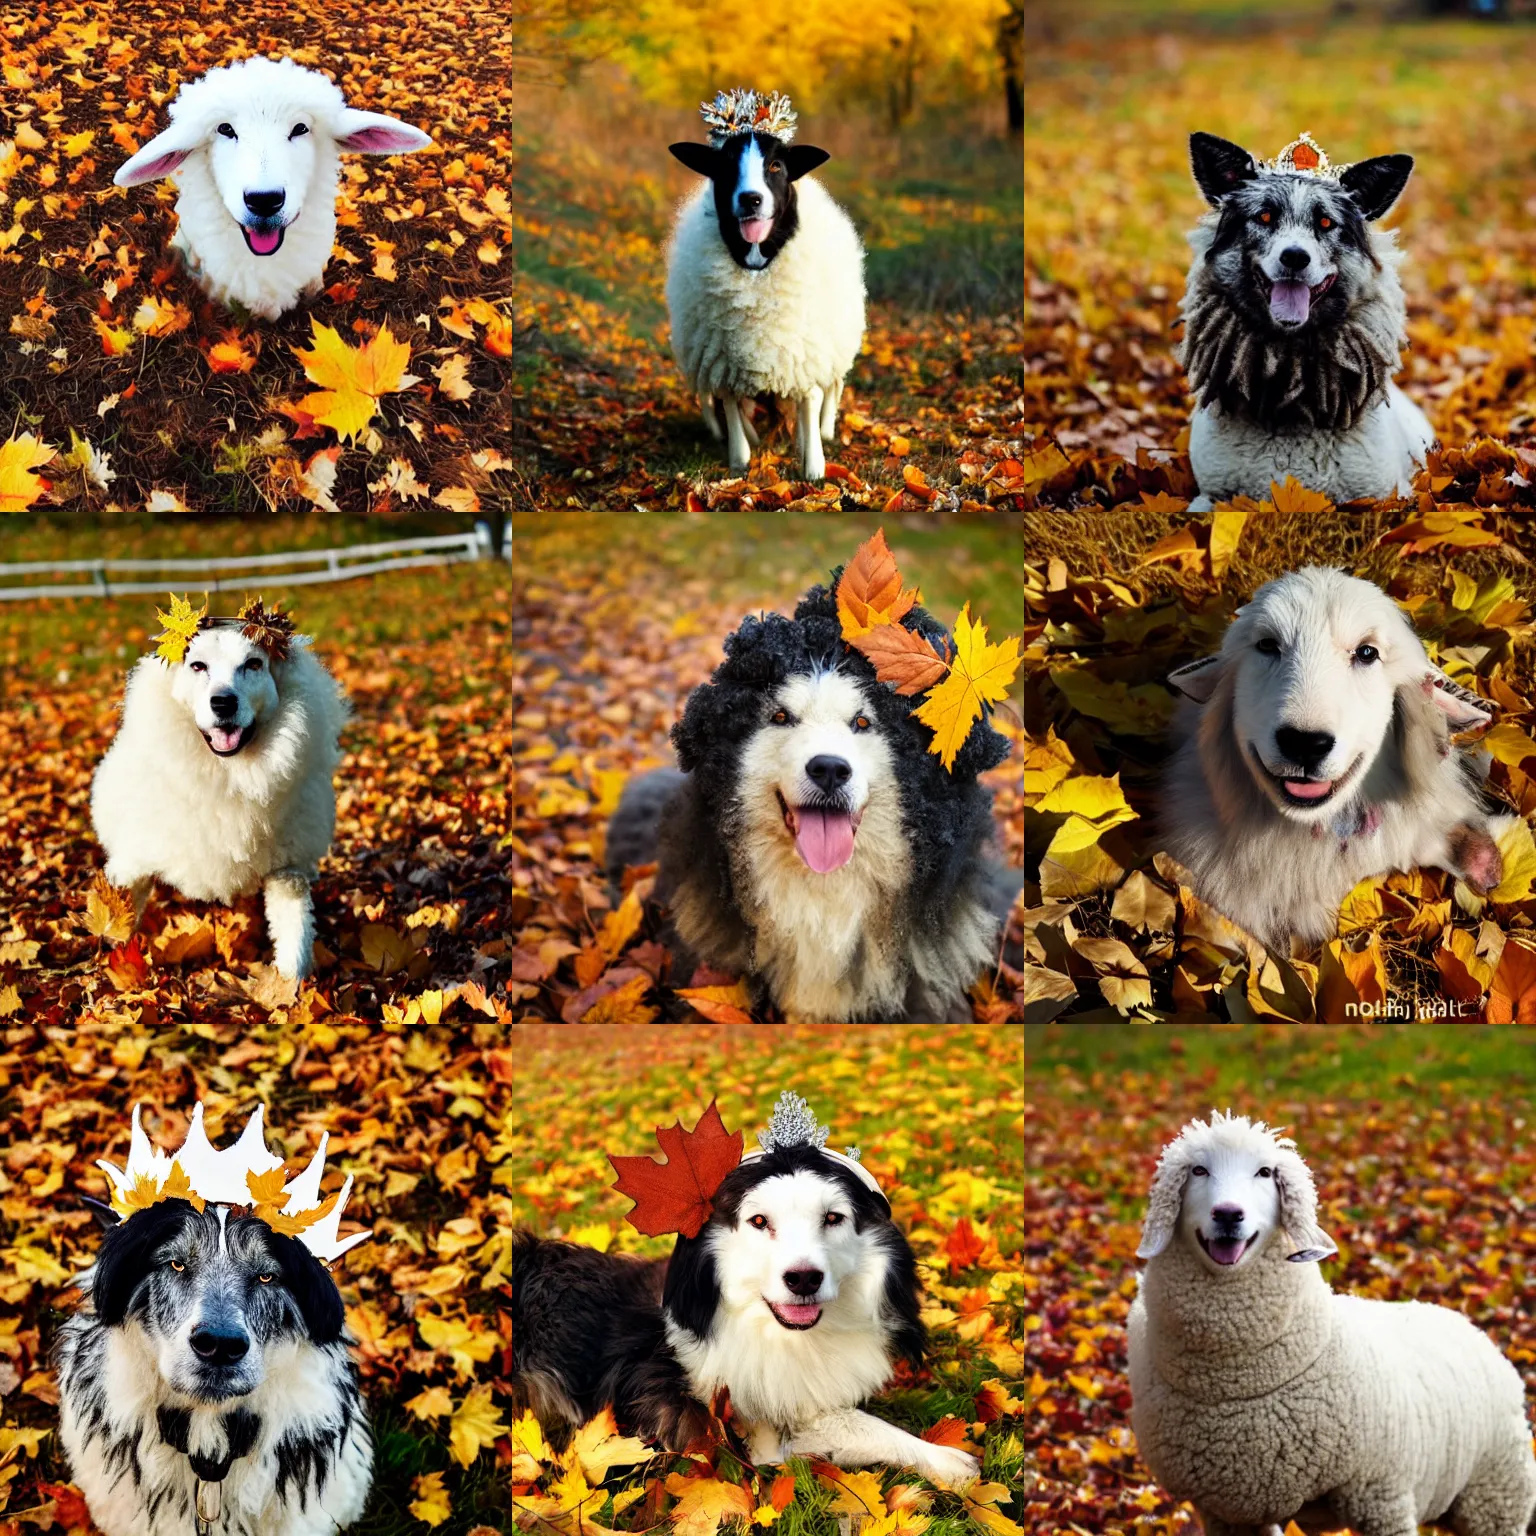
1293,321
212,1350
799,1295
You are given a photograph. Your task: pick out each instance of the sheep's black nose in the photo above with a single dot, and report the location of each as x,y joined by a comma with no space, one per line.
1227,1215
1306,748
219,1346
265,204
828,774
224,705
1293,258
803,1282
748,202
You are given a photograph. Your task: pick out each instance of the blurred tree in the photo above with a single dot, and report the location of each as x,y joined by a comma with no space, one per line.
1010,48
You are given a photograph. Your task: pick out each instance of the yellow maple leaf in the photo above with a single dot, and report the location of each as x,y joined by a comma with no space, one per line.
181,623
300,1221
352,379
858,1493
433,1403
19,487
598,1445
77,143
703,1502
529,1450
476,1426
266,1188
139,1196
979,673
108,911
431,1506
178,1186
465,1346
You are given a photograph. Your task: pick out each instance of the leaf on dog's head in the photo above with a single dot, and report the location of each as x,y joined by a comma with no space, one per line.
902,657
181,623
869,593
269,628
676,1196
980,674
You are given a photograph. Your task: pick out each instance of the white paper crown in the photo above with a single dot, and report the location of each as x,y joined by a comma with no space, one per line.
1304,156
794,1125
246,1174
744,111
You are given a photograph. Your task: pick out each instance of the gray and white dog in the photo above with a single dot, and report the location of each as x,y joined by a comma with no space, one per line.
213,1350
1293,323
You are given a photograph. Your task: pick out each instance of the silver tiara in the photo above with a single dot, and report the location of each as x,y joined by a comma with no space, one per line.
795,1125
744,111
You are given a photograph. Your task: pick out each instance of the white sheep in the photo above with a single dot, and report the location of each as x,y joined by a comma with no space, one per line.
765,279
254,148
1263,1397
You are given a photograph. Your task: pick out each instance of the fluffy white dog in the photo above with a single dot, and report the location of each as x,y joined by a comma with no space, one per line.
219,780
254,148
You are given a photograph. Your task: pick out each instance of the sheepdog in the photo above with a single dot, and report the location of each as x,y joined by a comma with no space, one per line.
1293,317
798,1296
219,780
1314,752
813,843
255,150
1263,1396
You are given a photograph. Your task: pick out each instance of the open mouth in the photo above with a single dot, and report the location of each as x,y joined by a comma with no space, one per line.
225,741
1302,789
799,1315
262,241
1291,300
823,834
1227,1250
755,231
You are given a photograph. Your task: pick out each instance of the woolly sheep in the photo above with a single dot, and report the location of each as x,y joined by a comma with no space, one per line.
254,147
765,289
1262,1396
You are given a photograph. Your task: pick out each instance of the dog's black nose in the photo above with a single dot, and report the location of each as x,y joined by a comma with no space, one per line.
1293,258
829,774
748,202
803,1282
1227,1215
1307,748
265,204
224,705
218,1346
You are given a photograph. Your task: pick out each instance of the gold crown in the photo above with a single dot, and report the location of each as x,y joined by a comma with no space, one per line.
1306,157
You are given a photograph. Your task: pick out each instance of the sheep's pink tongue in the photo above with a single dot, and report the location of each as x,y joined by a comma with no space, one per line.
755,231
1290,301
825,838
225,741
264,241
1226,1250
1300,789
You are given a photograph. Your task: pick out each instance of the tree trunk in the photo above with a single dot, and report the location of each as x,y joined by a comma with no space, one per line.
1010,47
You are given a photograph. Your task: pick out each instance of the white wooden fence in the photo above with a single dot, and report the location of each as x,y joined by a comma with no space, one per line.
101,579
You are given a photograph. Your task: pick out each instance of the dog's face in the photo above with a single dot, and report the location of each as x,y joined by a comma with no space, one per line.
225,683
1231,1203
753,176
213,1293
1292,249
811,769
263,162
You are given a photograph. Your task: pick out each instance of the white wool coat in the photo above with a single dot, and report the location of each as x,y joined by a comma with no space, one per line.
796,324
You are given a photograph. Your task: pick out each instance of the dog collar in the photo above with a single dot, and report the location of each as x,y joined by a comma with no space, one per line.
240,1430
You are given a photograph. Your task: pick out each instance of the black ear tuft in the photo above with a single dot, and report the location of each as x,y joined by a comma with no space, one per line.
1220,166
703,158
692,1290
311,1286
1376,184
803,158
125,1254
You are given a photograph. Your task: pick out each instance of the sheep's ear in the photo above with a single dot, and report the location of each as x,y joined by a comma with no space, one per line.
1298,1211
1464,709
1163,1205
701,158
804,158
1198,680
163,154
371,133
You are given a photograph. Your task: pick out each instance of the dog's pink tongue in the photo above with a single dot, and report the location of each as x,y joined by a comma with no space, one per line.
1290,301
755,231
825,839
799,1311
225,740
1226,1250
264,241
1300,789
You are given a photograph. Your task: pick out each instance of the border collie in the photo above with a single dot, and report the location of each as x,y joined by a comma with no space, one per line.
1293,320
211,1350
798,1296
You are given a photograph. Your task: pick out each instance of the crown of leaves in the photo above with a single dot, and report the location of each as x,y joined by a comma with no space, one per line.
270,628
744,111
246,1174
1306,156
958,687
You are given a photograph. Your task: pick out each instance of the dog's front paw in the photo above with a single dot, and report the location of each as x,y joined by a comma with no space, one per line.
953,1469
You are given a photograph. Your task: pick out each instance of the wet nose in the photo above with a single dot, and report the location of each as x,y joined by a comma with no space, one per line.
224,705
265,204
748,202
1293,258
1306,748
1227,1215
828,774
803,1282
219,1346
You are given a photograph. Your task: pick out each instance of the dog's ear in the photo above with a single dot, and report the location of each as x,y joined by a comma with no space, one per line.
1298,1210
1164,1202
1198,679
310,1284
162,156
1376,184
803,158
106,1218
692,1291
1465,710
1220,166
125,1254
702,158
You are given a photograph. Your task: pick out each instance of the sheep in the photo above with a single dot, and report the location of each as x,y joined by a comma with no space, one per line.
1315,754
765,279
1262,1396
253,147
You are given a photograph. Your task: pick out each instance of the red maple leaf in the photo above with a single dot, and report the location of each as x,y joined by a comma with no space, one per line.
675,1196
963,1246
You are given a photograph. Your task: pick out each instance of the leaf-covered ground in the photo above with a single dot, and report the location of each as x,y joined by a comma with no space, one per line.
180,403
1418,1137
603,419
937,1114
615,619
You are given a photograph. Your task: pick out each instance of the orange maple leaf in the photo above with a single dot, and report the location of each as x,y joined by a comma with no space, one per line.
902,656
963,1247
676,1196
869,592
948,1431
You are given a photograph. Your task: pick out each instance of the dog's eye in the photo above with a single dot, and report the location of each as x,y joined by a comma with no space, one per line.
198,666
776,168
299,130
861,722
1324,222
1266,1173
779,717
265,1279
759,1221
1199,1172
1366,654
1265,216
1268,646
227,131
254,664
833,1218
177,1267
